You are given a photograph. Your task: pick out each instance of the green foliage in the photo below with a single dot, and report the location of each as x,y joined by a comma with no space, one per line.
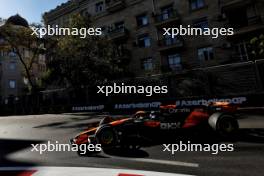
80,62
257,45
20,39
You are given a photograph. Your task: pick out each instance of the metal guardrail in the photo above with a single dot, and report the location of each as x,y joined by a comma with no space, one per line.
241,78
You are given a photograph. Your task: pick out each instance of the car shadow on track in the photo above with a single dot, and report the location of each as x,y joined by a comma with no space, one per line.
129,153
252,136
202,138
8,146
191,136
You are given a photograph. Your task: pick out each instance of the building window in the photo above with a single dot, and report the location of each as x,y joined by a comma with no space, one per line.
120,49
196,4
12,65
12,84
120,25
2,53
84,13
144,41
99,7
117,27
174,62
205,54
242,52
168,40
104,30
147,64
12,54
166,12
142,20
2,40
201,23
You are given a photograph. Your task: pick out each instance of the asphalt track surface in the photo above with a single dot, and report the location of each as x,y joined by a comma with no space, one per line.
17,133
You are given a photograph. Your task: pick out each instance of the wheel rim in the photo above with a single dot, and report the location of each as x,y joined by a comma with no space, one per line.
107,137
227,126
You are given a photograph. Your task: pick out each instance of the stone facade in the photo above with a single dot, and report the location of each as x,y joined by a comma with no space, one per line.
132,24
11,79
13,84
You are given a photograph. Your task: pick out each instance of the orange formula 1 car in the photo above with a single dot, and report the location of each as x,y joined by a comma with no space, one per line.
143,128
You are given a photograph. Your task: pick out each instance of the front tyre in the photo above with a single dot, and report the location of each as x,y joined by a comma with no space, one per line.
106,136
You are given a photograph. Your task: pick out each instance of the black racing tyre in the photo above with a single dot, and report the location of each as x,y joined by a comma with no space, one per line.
106,136
227,125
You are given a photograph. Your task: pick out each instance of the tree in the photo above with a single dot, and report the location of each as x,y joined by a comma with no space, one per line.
257,45
1,21
19,39
83,62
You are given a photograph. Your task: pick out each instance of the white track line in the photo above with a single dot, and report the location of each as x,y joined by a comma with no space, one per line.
167,162
157,161
81,171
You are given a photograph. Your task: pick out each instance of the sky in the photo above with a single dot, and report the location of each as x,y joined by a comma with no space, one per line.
31,10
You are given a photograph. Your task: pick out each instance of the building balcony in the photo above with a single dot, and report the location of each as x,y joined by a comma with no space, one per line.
124,54
170,43
118,33
239,57
253,24
166,18
234,4
115,5
176,69
254,20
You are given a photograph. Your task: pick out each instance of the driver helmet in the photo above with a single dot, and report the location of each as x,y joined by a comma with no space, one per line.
152,115
140,114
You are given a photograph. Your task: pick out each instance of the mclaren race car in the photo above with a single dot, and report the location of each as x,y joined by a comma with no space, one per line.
147,128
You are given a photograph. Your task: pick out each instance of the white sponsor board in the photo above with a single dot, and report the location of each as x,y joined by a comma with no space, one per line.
156,104
88,108
138,105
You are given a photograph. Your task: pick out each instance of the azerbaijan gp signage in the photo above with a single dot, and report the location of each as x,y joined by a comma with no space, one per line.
147,105
199,102
157,104
206,102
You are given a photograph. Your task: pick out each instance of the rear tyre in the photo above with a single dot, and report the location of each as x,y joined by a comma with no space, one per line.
227,126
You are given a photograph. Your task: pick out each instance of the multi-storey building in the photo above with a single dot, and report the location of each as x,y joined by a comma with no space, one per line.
12,74
137,26
11,80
